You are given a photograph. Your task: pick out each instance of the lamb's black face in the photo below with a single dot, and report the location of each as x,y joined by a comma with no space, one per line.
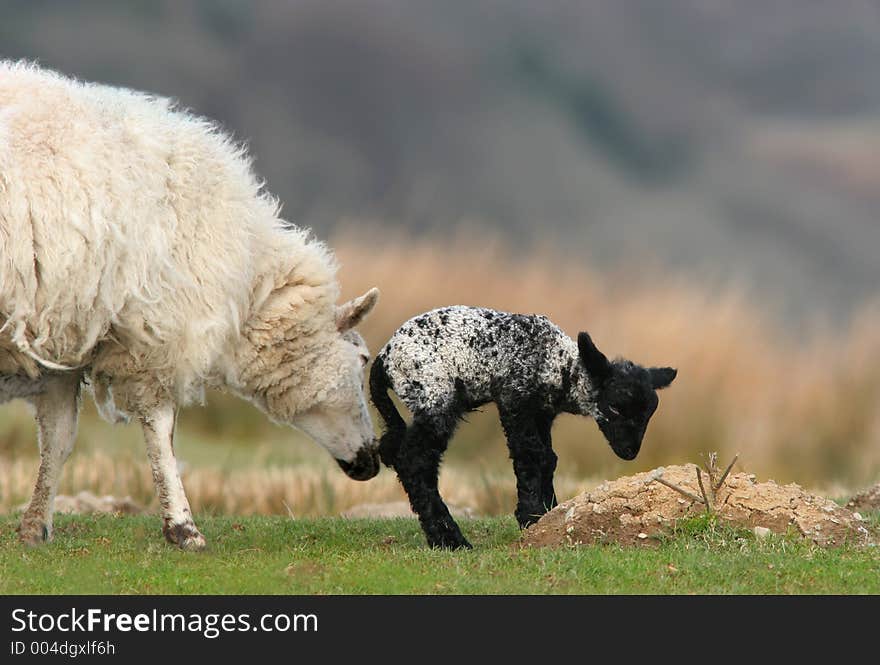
626,402
626,396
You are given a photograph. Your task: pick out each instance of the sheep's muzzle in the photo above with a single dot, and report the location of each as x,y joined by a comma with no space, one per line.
364,466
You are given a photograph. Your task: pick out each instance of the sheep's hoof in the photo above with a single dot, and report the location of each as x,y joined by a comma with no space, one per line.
34,532
186,536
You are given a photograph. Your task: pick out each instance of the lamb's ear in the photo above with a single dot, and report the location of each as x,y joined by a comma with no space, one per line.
662,376
353,312
594,360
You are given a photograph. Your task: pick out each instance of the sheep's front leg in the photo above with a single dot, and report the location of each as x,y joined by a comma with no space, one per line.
527,450
417,465
178,525
57,412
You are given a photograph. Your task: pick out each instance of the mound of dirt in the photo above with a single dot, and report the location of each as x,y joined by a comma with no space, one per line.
633,511
867,500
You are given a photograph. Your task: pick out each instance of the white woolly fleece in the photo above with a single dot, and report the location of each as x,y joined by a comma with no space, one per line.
125,222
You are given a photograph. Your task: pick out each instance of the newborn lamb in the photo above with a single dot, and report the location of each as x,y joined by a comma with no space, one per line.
449,361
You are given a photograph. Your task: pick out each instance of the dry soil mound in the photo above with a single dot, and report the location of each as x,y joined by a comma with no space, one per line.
630,511
867,500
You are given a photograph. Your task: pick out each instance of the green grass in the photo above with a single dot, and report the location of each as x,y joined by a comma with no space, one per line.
273,555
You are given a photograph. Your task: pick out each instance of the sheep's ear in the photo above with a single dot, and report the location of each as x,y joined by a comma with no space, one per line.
662,376
354,311
594,360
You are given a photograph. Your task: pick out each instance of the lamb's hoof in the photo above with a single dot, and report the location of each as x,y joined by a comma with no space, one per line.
186,536
34,533
526,519
449,542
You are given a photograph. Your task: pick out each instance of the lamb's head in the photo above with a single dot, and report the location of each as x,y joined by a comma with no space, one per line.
622,396
312,377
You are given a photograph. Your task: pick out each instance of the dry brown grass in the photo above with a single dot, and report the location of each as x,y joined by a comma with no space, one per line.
302,490
798,405
801,406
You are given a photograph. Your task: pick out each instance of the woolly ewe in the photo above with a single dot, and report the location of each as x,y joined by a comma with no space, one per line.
140,255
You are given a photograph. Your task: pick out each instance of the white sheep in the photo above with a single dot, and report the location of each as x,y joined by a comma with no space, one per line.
140,254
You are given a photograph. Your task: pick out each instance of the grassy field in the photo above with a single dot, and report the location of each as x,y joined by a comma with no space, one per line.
273,555
799,406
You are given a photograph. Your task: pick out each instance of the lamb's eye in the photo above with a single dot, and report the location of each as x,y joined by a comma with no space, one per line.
614,411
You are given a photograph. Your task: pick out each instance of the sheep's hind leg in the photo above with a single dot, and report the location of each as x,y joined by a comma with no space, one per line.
178,526
417,465
528,455
57,412
544,423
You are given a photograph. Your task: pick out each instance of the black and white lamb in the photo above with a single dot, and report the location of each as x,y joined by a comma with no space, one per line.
449,361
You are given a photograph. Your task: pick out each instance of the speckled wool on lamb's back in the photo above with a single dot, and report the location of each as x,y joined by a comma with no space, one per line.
473,353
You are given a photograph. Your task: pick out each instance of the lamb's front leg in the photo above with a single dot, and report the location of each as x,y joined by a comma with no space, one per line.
57,412
527,450
178,525
544,423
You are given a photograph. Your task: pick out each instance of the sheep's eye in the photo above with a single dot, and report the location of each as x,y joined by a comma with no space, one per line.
614,411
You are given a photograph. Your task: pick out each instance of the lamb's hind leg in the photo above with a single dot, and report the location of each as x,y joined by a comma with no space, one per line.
417,465
57,411
178,525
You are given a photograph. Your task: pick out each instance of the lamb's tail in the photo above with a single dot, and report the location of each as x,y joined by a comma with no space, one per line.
395,425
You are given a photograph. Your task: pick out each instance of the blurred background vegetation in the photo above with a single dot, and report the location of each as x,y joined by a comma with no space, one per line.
696,183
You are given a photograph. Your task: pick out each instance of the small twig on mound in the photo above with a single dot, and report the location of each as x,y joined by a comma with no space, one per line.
657,476
706,500
711,467
726,472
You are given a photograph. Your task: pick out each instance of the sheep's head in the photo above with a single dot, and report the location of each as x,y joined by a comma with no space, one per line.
312,376
340,421
622,396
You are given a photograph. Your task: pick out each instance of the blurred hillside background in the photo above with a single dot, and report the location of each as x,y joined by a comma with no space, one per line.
696,182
